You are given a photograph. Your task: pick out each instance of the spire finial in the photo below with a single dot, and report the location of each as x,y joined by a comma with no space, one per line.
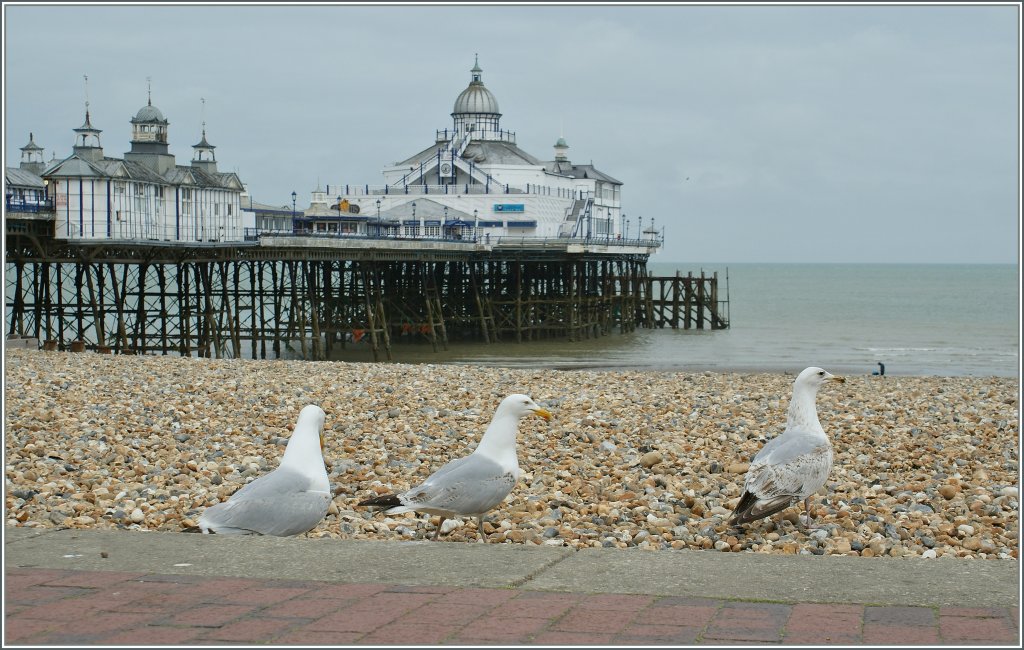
149,91
476,71
203,113
86,77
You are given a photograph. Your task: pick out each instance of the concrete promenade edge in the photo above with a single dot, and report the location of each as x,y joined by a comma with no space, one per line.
108,581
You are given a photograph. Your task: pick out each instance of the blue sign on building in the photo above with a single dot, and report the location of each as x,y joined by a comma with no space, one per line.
509,207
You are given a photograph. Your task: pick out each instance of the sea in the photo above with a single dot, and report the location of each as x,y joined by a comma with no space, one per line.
930,320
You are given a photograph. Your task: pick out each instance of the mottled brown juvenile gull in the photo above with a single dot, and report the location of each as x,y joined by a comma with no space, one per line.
290,500
472,485
793,465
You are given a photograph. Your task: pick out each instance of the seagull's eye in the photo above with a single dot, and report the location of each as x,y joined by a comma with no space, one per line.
821,374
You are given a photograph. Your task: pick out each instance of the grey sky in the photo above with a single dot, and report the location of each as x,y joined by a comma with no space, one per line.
752,133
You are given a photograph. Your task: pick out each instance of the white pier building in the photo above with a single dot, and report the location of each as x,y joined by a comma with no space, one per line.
474,183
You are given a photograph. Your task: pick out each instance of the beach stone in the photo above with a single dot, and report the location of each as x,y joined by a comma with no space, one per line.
650,459
137,516
972,543
948,491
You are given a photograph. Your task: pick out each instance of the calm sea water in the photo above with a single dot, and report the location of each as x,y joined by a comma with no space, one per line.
945,320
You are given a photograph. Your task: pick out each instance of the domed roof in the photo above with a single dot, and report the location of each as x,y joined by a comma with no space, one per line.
149,113
476,98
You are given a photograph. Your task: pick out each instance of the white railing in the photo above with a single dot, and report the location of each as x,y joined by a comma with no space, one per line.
496,188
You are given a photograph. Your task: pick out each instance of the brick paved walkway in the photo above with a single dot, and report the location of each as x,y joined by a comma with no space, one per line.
49,606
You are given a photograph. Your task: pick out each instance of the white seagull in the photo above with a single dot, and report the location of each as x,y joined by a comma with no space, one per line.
472,485
793,465
290,500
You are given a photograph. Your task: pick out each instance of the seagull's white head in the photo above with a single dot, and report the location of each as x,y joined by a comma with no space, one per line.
312,418
812,379
518,405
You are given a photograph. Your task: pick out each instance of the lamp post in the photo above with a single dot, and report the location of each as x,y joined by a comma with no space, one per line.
416,225
640,228
338,225
378,217
476,224
293,211
444,222
622,225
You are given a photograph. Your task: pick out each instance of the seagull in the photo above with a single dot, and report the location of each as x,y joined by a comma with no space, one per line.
476,483
793,465
290,500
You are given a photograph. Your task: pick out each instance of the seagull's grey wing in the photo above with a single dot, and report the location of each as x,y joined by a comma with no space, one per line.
790,464
281,516
469,485
280,481
279,503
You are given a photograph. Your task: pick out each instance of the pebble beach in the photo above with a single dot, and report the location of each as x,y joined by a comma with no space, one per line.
924,466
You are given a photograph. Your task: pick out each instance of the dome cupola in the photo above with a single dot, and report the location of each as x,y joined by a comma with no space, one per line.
476,109
149,138
149,125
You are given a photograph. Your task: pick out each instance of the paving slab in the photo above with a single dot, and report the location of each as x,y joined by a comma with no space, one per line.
784,578
293,558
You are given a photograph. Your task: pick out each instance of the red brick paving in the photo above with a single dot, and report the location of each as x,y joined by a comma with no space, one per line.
956,628
120,608
899,635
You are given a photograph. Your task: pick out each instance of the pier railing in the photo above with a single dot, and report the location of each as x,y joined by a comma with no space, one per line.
467,236
16,205
417,189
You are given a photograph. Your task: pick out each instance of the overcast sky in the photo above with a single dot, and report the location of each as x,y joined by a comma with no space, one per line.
752,134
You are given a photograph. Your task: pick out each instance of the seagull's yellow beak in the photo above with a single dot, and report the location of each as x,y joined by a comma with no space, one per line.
544,413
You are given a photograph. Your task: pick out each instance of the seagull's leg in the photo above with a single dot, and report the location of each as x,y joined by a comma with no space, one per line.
807,507
480,527
438,531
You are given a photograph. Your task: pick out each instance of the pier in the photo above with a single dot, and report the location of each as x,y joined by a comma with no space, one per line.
306,294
